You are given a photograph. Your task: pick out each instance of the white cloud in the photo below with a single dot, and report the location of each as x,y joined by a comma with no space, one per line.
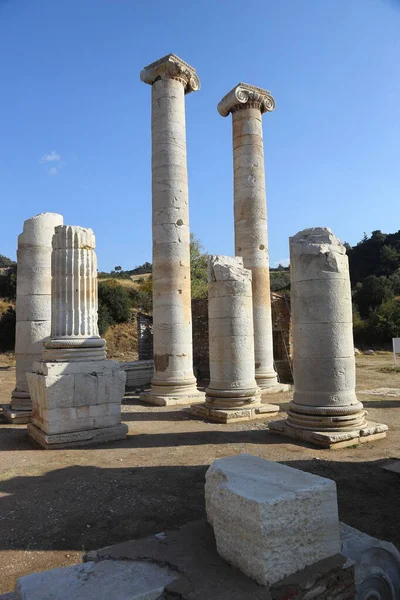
52,156
52,171
282,261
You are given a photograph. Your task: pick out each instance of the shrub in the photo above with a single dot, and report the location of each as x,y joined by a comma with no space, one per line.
114,304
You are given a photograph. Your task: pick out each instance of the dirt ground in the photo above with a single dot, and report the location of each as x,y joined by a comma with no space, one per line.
56,504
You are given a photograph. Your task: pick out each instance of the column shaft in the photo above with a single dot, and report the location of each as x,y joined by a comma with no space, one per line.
171,78
232,382
251,241
33,305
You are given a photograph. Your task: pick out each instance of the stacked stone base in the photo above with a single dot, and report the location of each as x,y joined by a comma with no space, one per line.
76,439
226,416
369,432
76,403
17,417
174,400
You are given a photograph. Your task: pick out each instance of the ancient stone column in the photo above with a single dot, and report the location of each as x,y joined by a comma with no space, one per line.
232,394
33,306
325,409
76,392
74,328
247,104
173,382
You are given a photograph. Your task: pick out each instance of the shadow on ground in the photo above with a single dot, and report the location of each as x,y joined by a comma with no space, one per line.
87,507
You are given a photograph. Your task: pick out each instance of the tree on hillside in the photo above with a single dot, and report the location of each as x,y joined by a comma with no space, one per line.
198,268
6,262
114,304
372,292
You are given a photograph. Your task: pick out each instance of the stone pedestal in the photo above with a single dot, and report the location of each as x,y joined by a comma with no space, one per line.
173,382
33,306
76,392
233,394
247,104
270,520
325,409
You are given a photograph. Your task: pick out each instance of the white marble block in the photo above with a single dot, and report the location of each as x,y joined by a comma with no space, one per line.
270,520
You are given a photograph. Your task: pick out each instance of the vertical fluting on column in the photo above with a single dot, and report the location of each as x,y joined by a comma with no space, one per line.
323,350
33,305
247,103
74,328
231,337
171,78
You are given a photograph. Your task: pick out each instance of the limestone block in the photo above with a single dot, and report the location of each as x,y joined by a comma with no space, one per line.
74,439
34,281
104,580
138,373
83,366
270,520
377,564
73,401
53,391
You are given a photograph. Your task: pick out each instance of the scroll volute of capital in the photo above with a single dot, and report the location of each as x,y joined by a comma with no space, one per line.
246,96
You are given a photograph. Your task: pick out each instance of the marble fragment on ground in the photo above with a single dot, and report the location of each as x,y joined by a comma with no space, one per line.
247,104
377,564
173,381
105,580
270,520
33,307
76,392
232,394
325,409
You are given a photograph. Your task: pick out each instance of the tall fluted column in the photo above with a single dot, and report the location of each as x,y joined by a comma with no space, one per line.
33,307
173,382
76,392
247,104
325,409
232,394
74,329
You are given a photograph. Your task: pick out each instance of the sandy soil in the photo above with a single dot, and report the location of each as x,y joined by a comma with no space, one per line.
55,505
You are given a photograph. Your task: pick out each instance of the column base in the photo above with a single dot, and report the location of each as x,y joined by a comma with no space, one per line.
370,432
17,416
226,416
149,397
77,438
277,388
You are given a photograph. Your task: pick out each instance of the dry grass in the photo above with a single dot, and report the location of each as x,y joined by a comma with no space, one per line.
122,342
125,283
4,304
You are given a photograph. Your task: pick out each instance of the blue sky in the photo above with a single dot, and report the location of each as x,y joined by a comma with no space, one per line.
75,117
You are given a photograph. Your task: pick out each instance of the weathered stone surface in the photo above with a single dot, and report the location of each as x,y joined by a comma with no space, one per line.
86,437
33,306
247,103
370,432
170,78
325,409
75,391
138,373
232,384
270,520
105,580
264,411
377,564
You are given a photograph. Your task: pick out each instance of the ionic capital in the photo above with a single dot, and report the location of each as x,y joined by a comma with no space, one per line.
244,95
172,67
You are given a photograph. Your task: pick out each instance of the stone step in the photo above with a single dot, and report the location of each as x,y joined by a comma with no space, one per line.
119,580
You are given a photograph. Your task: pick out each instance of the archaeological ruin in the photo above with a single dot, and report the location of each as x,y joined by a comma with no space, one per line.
173,382
325,409
33,306
76,393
